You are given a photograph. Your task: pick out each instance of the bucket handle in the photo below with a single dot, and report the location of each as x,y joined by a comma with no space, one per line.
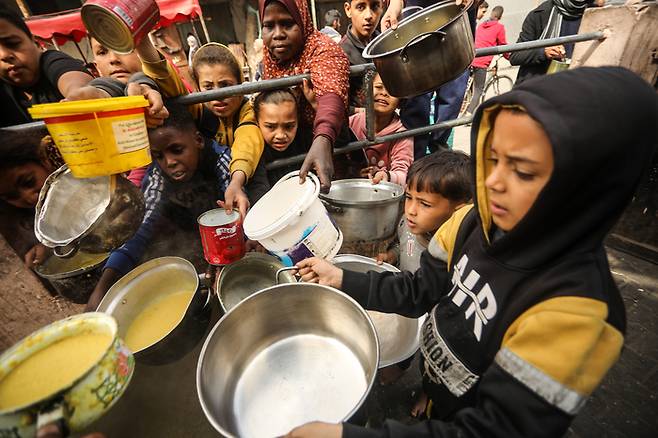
403,53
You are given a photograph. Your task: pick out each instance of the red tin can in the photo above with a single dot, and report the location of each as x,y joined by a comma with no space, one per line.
120,25
221,236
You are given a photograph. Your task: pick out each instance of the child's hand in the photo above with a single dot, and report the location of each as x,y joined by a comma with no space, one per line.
156,113
35,256
86,92
316,270
307,89
254,246
379,176
387,257
390,18
235,197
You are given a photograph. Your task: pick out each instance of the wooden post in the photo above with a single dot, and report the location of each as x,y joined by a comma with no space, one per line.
203,25
631,39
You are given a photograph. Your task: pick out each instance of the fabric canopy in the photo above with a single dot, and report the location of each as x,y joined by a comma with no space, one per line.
67,25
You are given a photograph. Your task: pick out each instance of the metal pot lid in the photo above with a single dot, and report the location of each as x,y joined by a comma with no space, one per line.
425,20
360,192
69,207
58,267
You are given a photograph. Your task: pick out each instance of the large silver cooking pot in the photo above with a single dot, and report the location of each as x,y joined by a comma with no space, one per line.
399,337
148,282
93,214
243,278
428,48
287,355
362,210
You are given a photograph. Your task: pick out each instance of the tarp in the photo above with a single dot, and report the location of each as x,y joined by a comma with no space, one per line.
66,26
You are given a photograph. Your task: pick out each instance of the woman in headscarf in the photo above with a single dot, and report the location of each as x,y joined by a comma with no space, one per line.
551,19
294,46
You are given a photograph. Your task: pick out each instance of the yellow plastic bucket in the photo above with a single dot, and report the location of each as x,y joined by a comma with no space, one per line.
98,137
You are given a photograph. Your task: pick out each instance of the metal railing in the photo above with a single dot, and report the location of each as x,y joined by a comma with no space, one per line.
368,71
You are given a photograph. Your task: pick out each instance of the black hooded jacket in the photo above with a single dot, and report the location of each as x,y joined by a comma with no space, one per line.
522,328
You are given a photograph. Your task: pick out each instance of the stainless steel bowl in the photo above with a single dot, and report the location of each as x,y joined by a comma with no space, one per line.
148,282
247,276
287,355
399,337
362,210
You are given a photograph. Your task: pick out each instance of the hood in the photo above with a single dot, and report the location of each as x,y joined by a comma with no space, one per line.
298,10
601,123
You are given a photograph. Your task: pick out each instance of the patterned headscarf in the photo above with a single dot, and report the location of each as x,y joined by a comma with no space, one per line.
326,61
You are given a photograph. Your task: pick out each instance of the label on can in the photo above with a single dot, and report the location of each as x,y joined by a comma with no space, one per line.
124,16
223,243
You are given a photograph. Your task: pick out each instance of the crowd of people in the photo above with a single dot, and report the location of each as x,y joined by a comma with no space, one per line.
504,249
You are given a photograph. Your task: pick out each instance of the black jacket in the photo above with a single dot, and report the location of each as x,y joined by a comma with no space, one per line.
533,62
524,325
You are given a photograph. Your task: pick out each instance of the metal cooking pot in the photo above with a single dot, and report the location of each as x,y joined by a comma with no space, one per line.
254,272
287,355
93,214
75,277
399,336
152,280
428,49
363,210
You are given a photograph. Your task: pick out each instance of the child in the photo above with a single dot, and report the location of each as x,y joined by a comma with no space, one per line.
437,186
294,46
189,174
277,116
388,161
364,17
230,121
23,172
28,75
525,318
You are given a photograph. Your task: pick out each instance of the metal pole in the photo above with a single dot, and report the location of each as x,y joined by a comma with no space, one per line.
516,47
356,145
80,50
313,13
370,105
203,25
23,7
52,40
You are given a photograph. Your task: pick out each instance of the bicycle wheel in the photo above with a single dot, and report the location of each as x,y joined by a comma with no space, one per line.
467,97
496,86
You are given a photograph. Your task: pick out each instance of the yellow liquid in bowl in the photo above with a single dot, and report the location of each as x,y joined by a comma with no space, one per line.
157,320
52,369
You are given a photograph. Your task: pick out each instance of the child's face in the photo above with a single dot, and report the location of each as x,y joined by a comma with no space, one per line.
365,16
19,56
521,165
425,211
384,102
482,11
278,123
20,185
113,65
176,152
281,34
218,76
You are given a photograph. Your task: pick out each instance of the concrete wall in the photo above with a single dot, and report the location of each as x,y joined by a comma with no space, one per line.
515,13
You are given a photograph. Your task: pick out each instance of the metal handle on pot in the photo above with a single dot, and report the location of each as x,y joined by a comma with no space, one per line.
331,208
282,270
73,249
403,52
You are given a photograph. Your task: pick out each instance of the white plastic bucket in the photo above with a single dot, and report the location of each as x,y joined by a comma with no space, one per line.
291,222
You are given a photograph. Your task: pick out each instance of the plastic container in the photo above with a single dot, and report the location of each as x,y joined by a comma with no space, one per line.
291,222
222,237
98,137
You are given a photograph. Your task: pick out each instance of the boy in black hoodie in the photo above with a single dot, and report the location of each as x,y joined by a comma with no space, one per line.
525,318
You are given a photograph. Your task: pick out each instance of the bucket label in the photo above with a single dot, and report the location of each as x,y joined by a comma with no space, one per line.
130,135
319,241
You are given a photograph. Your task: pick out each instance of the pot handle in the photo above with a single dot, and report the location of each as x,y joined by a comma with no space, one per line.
403,52
331,208
282,270
59,251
